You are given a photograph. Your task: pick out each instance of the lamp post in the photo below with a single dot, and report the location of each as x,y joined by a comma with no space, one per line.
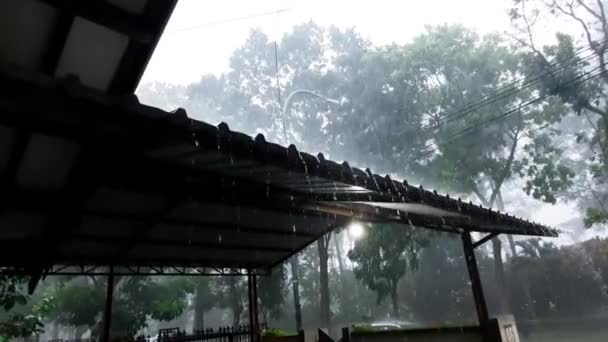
294,259
289,100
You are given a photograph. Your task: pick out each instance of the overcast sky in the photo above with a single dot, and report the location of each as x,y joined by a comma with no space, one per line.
201,35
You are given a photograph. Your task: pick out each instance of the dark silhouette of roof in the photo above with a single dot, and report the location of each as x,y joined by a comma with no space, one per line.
95,179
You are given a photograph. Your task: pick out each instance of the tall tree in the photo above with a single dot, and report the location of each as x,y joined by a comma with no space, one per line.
80,302
384,256
272,290
572,70
19,319
324,300
204,299
295,283
232,291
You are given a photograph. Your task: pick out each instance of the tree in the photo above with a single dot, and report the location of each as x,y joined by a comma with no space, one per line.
572,70
203,301
384,256
271,291
13,295
324,304
81,302
576,288
295,283
439,291
231,291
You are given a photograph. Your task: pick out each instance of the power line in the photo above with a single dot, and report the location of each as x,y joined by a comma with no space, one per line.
227,21
515,109
500,94
511,91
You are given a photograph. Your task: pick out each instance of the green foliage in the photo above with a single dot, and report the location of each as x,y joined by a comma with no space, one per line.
546,177
77,304
384,256
12,291
81,302
442,279
271,290
572,71
13,295
19,325
595,216
562,282
276,333
232,294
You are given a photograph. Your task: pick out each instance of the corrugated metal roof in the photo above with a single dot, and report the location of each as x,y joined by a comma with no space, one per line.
89,178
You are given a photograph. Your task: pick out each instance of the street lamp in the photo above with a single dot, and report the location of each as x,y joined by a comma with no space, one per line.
356,230
294,260
289,100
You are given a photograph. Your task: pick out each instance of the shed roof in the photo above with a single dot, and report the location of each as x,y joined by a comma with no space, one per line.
94,179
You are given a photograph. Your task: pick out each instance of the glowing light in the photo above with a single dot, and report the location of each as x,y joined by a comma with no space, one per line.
356,230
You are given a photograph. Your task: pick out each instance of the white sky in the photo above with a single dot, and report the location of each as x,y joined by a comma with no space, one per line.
201,35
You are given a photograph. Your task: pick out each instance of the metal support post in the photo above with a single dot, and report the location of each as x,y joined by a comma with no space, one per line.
480,301
107,315
250,307
256,319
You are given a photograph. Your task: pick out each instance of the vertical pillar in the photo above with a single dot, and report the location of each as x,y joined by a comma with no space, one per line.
296,292
107,315
250,307
480,301
256,319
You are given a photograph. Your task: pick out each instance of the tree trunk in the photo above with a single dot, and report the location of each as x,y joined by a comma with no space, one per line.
501,206
499,273
512,245
322,245
199,310
295,280
235,300
339,257
395,300
54,331
80,330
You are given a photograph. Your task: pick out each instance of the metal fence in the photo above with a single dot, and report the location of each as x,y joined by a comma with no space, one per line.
223,334
240,333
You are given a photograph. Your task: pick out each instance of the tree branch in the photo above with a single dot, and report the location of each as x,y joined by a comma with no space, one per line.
589,9
604,22
599,50
528,25
505,172
595,109
599,139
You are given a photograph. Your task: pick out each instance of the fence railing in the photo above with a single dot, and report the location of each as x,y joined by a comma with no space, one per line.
240,333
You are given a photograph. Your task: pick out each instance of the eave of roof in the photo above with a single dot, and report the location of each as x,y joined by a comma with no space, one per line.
174,139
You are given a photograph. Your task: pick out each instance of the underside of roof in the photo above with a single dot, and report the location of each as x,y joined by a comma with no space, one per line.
105,43
89,176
